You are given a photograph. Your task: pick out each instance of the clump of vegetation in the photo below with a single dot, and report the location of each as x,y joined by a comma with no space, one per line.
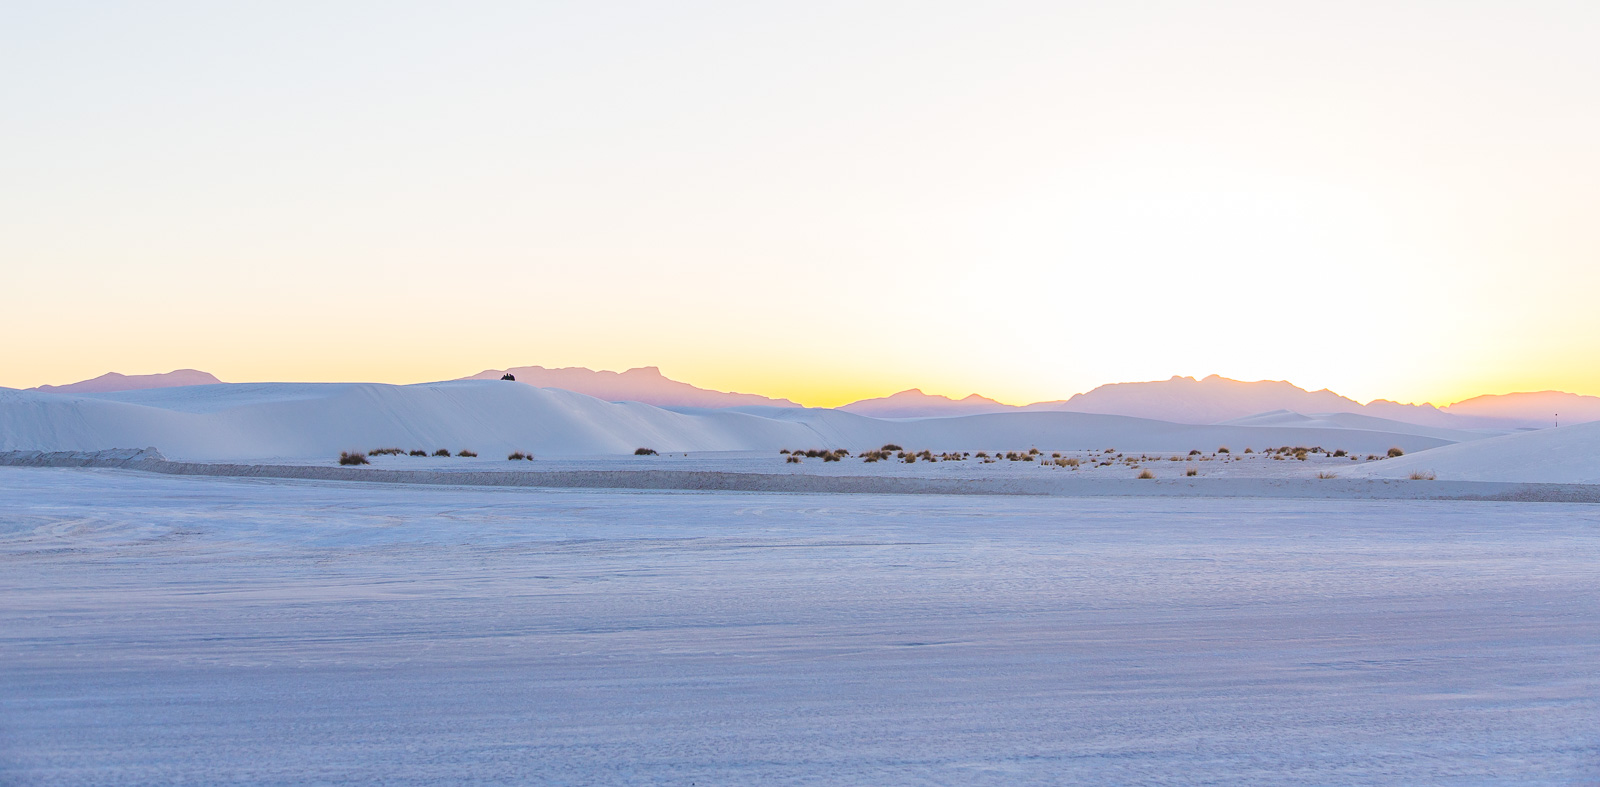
1067,462
441,452
982,454
1396,451
891,447
1223,450
1111,450
1191,472
784,451
386,452
518,455
1249,450
792,459
1146,474
1423,475
1327,475
465,452
644,452
419,453
353,458
1340,452
1194,452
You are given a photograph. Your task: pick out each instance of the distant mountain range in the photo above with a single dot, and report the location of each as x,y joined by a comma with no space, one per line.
645,384
112,382
916,404
1217,399
1210,400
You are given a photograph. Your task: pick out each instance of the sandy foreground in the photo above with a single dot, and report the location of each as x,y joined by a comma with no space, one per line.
194,630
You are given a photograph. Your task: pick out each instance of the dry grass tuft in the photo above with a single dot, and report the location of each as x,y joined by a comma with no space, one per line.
1326,474
353,458
1423,475
1192,472
1146,474
441,452
1396,451
465,452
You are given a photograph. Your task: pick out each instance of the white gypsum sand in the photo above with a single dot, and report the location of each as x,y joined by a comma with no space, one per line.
185,630
256,421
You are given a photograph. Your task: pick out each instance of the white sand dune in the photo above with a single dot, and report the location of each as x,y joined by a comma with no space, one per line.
301,420
1568,455
1358,421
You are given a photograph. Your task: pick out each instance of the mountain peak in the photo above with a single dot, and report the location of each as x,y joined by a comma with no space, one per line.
111,382
641,384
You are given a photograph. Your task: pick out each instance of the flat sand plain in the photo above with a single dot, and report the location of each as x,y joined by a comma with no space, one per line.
197,630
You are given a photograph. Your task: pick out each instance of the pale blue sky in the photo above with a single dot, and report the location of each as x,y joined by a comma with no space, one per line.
819,201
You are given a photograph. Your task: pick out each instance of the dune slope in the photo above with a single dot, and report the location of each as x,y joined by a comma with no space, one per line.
1569,455
305,420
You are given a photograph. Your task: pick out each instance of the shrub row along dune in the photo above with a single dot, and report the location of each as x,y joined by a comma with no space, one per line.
359,458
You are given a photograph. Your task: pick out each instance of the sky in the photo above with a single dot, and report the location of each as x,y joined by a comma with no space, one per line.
818,201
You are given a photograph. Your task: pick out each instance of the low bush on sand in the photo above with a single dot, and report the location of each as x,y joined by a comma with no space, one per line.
442,452
1396,451
419,453
1146,474
1191,472
1194,452
353,458
1327,475
1423,475
386,452
891,447
518,455
465,452
1340,452
792,459
644,452
1223,450
1067,462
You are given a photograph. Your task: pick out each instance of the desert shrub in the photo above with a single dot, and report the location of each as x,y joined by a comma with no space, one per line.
1191,472
784,451
441,452
910,459
982,454
1422,475
1111,450
793,459
644,452
1146,474
352,458
1223,450
1249,450
465,452
1340,452
1033,452
830,457
419,453
1396,451
518,456
1327,475
1067,462
385,452
891,447
1194,452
